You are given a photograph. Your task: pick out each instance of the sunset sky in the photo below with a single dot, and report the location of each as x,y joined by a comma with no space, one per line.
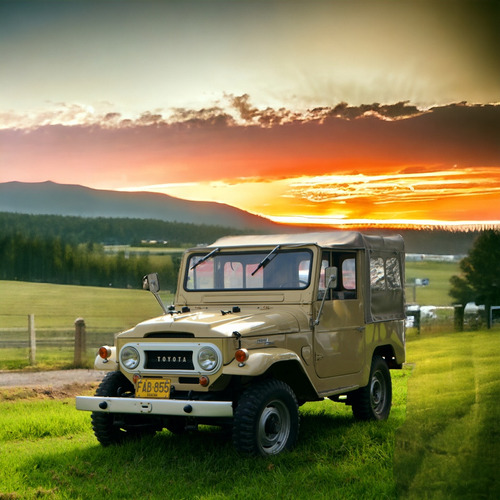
301,111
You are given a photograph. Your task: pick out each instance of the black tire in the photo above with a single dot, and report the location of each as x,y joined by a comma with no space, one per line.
266,420
373,402
114,428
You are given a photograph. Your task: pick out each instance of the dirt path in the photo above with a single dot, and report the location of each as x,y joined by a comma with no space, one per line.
56,378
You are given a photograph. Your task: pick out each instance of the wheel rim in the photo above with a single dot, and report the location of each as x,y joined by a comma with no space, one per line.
378,393
273,428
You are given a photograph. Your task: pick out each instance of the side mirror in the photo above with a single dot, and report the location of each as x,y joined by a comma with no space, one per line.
151,282
331,277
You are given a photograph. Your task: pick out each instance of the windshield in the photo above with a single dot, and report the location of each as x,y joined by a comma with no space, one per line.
245,270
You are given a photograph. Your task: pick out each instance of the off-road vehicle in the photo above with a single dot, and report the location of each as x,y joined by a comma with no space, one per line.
259,326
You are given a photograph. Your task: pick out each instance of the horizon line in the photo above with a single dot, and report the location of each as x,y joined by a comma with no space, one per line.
419,224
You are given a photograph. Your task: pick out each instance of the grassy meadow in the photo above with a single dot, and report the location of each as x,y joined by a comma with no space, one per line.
106,311
439,274
449,444
49,451
441,441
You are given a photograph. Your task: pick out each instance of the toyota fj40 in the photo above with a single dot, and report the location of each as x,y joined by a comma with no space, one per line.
260,325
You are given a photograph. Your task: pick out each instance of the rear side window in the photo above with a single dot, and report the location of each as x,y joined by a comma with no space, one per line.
385,274
377,273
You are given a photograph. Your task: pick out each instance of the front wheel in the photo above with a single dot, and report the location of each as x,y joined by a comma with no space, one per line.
114,428
373,402
266,420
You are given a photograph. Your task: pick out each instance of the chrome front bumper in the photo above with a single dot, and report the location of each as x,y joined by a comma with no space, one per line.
175,407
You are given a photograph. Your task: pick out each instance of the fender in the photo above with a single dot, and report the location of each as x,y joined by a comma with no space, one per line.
259,361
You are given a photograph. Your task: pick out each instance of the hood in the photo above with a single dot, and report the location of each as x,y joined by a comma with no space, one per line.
217,323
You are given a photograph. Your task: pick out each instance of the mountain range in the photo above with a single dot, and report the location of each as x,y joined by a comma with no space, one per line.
49,198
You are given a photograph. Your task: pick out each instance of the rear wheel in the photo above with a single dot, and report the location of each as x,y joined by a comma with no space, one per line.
373,402
266,420
113,428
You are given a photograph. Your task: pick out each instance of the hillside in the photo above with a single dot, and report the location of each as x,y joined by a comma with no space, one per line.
49,198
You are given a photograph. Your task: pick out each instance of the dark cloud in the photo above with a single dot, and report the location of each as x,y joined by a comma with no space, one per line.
267,117
211,143
213,117
398,111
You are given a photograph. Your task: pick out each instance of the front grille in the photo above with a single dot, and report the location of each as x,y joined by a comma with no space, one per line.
169,360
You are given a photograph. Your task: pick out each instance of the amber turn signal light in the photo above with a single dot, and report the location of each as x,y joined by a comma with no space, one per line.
241,355
104,352
204,381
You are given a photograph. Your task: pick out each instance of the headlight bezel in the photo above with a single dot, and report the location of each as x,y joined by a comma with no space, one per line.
130,357
208,359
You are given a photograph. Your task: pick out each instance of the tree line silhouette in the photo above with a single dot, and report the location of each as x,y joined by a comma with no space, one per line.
70,250
112,231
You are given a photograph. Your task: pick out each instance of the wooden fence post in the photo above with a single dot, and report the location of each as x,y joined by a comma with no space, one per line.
32,338
80,343
458,317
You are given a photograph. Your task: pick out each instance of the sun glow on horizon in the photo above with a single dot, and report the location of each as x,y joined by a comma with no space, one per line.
464,225
427,197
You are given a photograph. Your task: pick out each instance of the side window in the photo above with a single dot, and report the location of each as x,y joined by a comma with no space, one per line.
346,282
393,273
385,274
377,273
349,273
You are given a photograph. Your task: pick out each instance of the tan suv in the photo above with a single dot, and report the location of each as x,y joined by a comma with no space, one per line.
260,325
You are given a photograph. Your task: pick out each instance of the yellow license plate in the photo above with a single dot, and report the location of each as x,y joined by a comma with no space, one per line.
152,388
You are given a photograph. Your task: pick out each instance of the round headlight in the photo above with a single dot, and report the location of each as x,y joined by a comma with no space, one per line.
208,358
129,357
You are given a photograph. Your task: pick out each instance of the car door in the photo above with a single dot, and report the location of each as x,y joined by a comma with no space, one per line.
339,335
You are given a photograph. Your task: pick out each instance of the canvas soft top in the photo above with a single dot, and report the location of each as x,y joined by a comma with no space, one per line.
327,239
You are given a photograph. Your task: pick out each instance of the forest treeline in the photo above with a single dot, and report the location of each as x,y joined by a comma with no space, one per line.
70,250
112,231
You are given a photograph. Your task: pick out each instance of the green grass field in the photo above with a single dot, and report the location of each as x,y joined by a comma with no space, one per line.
449,445
106,311
49,451
440,442
439,274
57,306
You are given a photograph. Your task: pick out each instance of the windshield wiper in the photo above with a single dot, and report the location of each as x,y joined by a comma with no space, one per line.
265,261
203,259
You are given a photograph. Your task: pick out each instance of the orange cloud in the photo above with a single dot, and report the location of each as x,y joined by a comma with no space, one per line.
370,161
